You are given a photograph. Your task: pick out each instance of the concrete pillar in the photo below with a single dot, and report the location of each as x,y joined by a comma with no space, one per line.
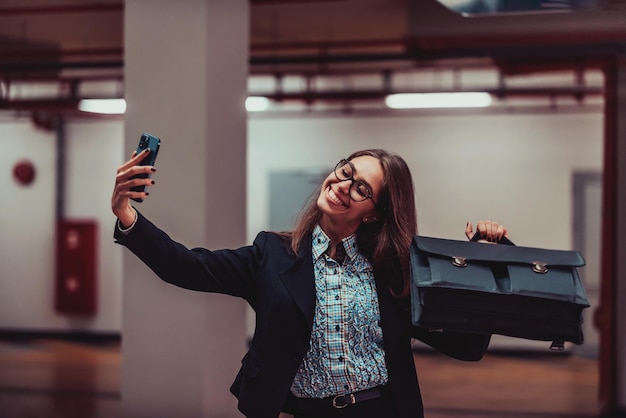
620,323
185,74
611,315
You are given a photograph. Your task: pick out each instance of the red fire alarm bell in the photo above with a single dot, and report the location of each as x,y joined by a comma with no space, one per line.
24,172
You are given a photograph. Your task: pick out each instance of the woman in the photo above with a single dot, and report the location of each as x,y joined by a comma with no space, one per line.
333,329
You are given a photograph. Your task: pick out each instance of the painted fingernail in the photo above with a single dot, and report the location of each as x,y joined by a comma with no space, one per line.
152,181
147,194
153,169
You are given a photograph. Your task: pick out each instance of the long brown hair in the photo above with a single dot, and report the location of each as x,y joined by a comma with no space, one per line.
385,242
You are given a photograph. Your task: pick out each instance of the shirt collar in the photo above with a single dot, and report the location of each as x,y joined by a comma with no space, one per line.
321,243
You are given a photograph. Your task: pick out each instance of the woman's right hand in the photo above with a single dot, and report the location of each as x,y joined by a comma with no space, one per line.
120,201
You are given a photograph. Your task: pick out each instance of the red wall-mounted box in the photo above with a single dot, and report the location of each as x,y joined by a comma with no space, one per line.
76,267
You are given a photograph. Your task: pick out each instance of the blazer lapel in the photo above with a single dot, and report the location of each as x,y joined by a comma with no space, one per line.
391,318
299,280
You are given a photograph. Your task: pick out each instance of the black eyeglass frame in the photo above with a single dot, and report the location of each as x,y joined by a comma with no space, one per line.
343,162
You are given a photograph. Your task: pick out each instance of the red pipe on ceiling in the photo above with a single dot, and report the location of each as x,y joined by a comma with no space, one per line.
113,7
66,8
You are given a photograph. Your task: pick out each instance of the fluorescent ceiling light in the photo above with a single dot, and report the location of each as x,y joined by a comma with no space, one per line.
106,106
257,103
437,100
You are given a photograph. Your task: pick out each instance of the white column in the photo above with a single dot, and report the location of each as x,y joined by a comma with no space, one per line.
185,74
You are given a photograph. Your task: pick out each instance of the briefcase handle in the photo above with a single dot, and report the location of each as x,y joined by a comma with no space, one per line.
504,240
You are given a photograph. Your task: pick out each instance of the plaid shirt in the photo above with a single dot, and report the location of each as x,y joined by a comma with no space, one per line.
346,351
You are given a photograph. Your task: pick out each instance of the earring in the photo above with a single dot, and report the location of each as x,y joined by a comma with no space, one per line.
370,219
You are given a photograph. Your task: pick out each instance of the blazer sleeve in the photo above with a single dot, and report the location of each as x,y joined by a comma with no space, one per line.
229,272
467,346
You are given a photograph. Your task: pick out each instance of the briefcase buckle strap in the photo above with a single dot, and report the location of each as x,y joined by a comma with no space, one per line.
341,401
538,266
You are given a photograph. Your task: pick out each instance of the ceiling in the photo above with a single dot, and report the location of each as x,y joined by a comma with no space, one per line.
37,36
70,42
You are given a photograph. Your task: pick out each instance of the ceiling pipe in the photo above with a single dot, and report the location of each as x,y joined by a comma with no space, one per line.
55,78
15,55
399,43
9,68
289,63
327,59
71,104
375,94
47,105
62,8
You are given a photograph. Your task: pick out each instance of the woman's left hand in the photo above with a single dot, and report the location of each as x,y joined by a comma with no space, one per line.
490,231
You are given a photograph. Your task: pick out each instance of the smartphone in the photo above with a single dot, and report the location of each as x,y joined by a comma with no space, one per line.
153,143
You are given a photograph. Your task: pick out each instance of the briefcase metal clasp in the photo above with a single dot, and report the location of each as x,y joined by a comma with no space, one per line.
459,261
540,267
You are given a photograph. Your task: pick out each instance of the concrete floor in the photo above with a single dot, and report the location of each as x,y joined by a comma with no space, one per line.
56,378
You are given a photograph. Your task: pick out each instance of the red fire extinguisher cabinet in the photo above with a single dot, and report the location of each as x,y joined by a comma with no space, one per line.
76,267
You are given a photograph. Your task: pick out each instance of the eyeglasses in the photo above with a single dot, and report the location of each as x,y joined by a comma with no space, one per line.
359,191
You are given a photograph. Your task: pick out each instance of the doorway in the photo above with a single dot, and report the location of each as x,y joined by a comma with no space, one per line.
587,231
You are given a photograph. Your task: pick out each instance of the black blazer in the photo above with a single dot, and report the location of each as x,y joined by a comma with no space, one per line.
280,287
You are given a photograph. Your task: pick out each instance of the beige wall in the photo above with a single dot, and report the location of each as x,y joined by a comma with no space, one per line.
515,168
27,221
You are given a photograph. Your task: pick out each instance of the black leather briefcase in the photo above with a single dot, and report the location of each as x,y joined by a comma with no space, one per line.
522,292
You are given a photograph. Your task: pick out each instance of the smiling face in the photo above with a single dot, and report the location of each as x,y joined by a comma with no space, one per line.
341,216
